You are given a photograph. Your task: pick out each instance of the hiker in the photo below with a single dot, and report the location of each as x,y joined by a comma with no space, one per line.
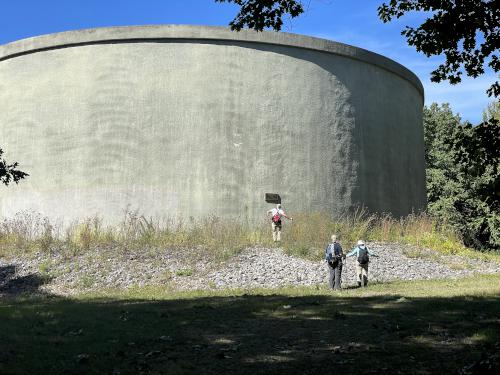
276,215
361,251
333,257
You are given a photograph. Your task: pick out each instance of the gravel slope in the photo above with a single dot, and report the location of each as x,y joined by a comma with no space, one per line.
191,269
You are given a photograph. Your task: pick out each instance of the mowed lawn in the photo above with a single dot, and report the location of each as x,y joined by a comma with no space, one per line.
404,327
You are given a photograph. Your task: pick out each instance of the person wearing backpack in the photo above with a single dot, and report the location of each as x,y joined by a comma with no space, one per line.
362,254
334,256
276,215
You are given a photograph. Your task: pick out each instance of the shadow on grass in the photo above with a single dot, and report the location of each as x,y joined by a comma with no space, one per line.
247,334
11,284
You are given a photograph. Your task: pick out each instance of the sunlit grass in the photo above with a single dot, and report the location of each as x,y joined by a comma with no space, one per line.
479,285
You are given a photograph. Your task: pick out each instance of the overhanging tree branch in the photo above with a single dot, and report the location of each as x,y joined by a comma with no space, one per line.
467,33
9,172
262,14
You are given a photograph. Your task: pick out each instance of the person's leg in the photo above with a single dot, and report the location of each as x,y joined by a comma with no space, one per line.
278,234
365,274
273,226
331,277
359,271
338,274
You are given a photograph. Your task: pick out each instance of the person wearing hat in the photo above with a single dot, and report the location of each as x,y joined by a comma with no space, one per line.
276,215
333,257
362,252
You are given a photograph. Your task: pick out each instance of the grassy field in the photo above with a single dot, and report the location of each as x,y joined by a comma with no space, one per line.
423,327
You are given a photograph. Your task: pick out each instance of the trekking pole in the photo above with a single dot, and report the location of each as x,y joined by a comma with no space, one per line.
347,268
344,268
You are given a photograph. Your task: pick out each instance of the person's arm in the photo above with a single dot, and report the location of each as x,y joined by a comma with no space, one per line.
352,252
269,212
285,215
370,253
341,252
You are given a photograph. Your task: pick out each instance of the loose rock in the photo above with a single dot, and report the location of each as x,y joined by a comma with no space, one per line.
254,267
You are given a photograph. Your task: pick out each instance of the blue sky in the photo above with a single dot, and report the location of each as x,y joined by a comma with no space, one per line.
347,21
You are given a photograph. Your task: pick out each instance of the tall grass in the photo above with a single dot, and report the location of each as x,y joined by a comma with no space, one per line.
29,232
306,236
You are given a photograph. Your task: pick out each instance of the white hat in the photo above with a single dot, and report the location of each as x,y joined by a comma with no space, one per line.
334,237
361,242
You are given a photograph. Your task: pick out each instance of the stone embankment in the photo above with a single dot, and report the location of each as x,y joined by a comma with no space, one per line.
188,269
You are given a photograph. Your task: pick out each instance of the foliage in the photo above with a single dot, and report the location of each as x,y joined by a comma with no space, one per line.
463,178
262,14
9,172
453,29
492,111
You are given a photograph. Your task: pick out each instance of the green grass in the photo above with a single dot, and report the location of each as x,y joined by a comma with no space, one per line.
185,272
306,236
412,327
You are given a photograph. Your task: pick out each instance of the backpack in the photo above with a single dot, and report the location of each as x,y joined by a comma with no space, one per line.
332,254
276,217
363,256
328,253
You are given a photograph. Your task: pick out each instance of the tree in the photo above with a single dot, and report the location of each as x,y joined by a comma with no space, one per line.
9,172
492,111
262,14
453,29
463,175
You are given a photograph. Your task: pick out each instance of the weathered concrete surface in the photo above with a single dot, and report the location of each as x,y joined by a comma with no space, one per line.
184,120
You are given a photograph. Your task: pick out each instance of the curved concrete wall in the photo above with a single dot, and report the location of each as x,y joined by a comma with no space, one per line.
185,120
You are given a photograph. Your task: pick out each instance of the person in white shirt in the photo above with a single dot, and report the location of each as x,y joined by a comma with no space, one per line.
276,215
